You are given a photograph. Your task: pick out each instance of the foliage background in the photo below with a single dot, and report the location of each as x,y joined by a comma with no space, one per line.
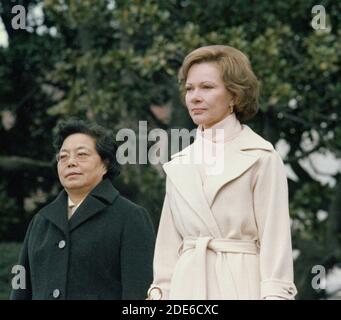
116,62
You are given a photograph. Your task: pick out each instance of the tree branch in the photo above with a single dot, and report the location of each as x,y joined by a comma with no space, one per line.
23,164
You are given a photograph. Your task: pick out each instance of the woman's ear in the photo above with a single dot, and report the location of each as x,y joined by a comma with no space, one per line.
105,166
234,99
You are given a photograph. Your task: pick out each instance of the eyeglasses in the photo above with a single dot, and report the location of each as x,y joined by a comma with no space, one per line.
80,156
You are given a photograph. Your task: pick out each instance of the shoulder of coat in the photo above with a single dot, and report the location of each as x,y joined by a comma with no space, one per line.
178,157
36,219
133,214
175,156
124,203
249,139
183,152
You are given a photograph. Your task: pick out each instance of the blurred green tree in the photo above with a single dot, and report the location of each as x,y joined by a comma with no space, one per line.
25,129
116,61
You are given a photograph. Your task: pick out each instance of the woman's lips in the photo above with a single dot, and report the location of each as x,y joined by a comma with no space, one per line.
73,174
198,110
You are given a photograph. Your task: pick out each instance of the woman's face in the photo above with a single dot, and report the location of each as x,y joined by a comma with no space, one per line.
80,168
207,99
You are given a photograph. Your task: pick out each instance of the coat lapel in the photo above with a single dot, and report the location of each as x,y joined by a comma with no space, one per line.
185,176
100,197
237,160
56,212
235,164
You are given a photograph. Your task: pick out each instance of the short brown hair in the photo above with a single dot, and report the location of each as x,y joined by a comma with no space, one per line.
236,73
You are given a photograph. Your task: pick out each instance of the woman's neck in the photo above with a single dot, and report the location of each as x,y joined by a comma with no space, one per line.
76,197
223,131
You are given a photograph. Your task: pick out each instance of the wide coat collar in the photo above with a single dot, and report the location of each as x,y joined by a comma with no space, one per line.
100,197
184,173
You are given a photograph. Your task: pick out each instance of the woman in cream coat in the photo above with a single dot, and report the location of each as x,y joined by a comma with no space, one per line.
224,231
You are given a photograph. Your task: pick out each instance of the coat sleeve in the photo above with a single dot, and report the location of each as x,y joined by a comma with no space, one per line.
137,249
24,293
273,222
168,242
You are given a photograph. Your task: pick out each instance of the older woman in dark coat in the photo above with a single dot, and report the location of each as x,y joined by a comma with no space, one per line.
90,242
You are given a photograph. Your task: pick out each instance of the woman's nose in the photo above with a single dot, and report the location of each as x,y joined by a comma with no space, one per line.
71,161
196,96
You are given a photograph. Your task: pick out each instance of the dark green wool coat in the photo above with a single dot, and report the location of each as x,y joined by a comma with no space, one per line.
104,251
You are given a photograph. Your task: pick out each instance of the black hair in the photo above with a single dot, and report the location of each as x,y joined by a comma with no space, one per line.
104,142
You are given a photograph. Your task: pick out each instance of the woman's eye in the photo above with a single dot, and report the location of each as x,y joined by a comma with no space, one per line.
188,88
62,156
82,154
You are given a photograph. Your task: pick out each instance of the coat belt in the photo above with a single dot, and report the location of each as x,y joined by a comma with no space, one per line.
200,246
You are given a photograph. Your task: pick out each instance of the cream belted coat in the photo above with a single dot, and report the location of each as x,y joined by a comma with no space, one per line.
231,239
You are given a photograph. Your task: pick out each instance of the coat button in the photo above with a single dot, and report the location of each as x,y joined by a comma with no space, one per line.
56,293
61,244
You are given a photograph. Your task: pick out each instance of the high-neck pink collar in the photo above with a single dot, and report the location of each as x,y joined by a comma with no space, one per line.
223,131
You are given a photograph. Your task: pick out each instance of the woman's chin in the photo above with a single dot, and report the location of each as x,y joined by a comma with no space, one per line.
72,185
199,120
